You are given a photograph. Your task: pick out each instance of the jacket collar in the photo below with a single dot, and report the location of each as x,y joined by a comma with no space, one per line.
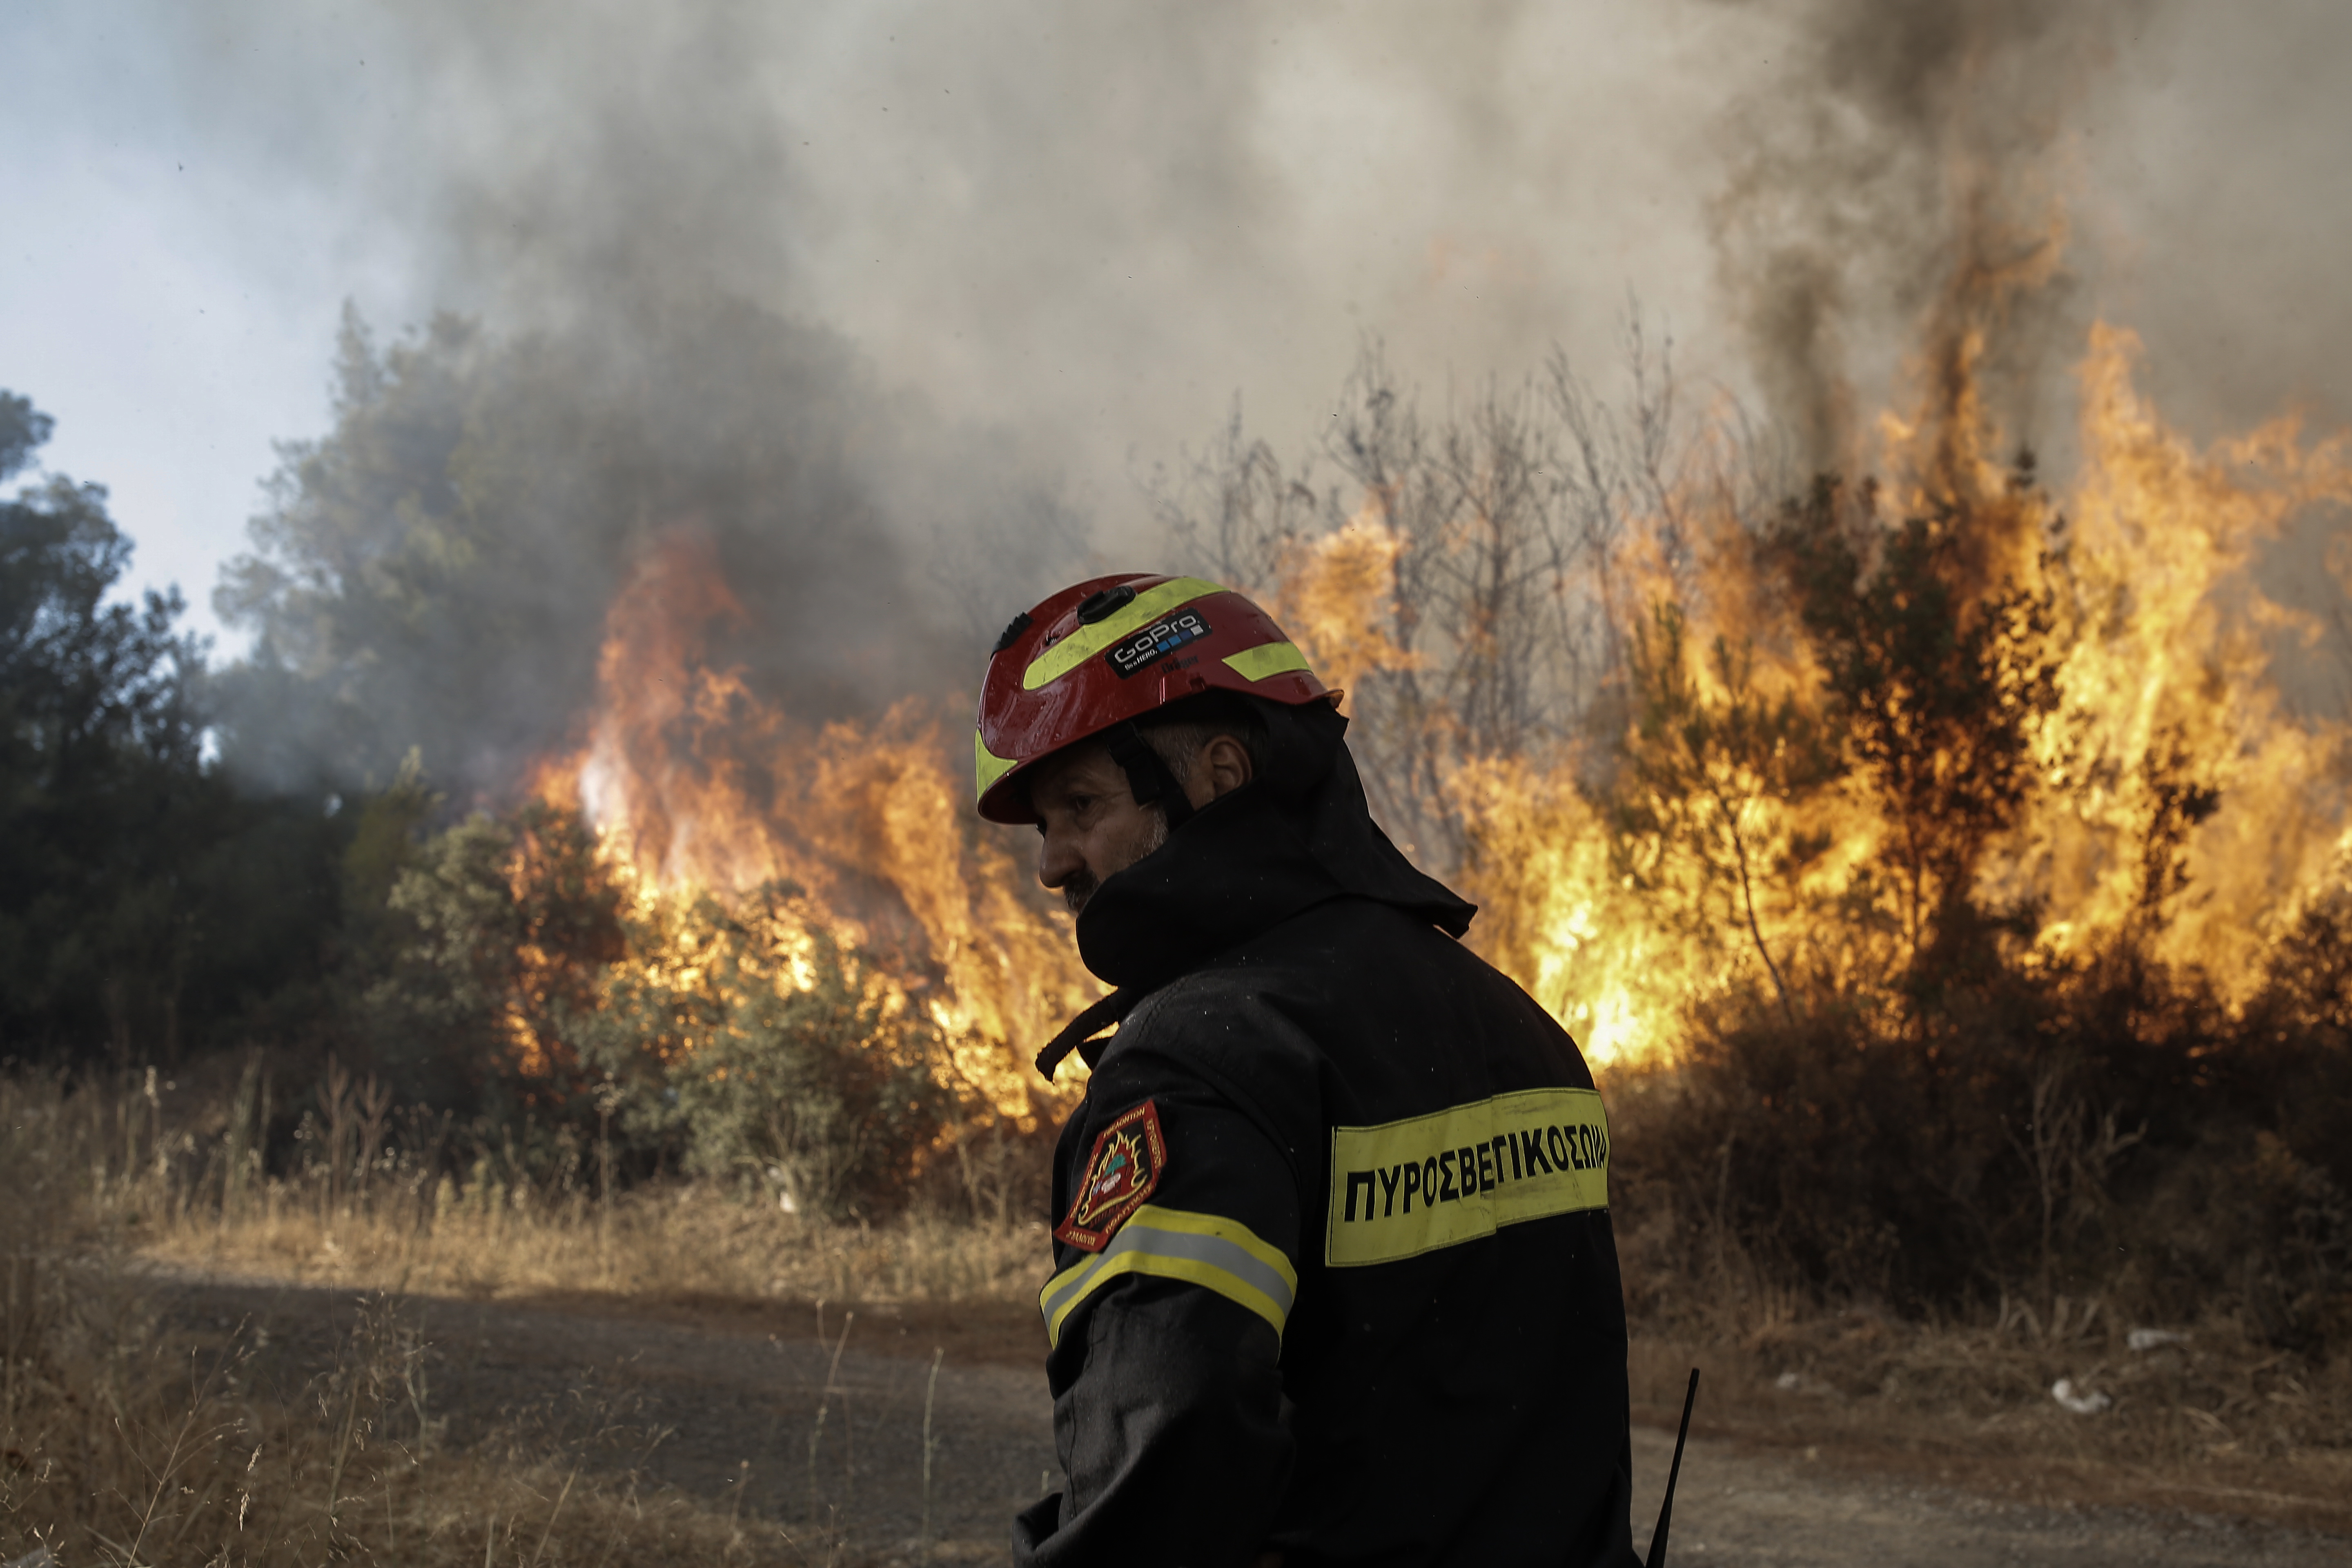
1297,836
1293,838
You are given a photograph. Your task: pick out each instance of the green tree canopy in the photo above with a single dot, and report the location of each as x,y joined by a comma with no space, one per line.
139,898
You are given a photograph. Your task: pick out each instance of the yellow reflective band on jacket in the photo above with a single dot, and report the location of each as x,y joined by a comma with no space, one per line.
1087,641
1408,1187
1266,659
1204,1249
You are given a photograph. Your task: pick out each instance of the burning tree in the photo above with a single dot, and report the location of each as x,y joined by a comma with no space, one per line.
1944,709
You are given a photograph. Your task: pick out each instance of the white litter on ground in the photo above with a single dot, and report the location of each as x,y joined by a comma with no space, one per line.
2085,1404
2155,1339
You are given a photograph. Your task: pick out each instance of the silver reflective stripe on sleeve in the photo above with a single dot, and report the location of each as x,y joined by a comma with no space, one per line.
1208,1250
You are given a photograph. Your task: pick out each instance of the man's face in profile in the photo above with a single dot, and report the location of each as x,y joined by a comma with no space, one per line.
1089,822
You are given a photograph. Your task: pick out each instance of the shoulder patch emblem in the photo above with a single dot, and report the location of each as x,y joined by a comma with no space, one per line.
1126,1165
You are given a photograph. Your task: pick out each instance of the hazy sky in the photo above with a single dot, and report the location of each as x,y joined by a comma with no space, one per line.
1084,226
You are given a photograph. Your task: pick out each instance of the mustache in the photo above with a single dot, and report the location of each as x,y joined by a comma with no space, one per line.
1083,884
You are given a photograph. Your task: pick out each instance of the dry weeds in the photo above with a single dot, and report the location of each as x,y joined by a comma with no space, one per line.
671,1239
2202,1415
125,1442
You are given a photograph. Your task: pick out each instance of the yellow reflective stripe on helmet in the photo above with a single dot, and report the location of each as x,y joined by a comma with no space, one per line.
1087,641
1266,659
1204,1249
986,765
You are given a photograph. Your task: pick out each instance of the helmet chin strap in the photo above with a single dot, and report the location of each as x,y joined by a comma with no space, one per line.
1148,777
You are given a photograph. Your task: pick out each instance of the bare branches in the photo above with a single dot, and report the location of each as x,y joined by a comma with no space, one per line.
1234,509
1510,521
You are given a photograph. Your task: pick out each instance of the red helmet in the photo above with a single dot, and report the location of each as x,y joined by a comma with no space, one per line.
1113,648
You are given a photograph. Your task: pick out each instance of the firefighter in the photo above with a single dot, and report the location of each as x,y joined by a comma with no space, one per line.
1334,1279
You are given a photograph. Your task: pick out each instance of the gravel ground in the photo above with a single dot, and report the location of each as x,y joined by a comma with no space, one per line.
1737,1506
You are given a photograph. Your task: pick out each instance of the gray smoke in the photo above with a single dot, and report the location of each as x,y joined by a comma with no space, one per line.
436,574
1922,181
613,195
982,264
1895,189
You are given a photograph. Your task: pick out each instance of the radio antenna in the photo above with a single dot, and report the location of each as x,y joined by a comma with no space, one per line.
1666,1509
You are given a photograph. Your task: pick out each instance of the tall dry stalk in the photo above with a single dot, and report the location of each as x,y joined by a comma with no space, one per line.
334,1096
824,1399
241,1140
374,1105
930,1389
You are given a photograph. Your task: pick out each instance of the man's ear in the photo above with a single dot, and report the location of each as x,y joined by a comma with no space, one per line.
1222,767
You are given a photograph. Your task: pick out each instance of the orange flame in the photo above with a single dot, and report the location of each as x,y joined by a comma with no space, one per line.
2166,669
1331,590
694,784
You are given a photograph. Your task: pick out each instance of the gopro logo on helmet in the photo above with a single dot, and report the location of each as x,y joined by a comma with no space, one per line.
1155,642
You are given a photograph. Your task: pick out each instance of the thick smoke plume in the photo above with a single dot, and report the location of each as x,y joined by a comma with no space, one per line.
611,200
1899,188
436,574
1079,230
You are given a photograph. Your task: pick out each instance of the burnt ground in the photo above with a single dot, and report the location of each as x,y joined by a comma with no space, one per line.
720,1400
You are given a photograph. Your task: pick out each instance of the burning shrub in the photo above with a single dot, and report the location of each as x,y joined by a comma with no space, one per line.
741,1038
777,1056
1946,1105
500,930
1935,680
1692,818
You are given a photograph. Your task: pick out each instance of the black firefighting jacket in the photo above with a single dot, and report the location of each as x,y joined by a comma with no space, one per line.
1333,1267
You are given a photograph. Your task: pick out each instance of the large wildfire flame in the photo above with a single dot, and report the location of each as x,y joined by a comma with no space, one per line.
2167,667
695,785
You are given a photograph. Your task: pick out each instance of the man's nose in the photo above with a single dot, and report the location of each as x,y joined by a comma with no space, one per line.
1057,859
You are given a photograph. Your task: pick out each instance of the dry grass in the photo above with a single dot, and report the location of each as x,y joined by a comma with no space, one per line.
389,1202
376,1199
129,1444
680,1238
125,1441
2215,1419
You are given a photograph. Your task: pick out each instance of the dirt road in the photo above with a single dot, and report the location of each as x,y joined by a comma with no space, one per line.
825,1440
